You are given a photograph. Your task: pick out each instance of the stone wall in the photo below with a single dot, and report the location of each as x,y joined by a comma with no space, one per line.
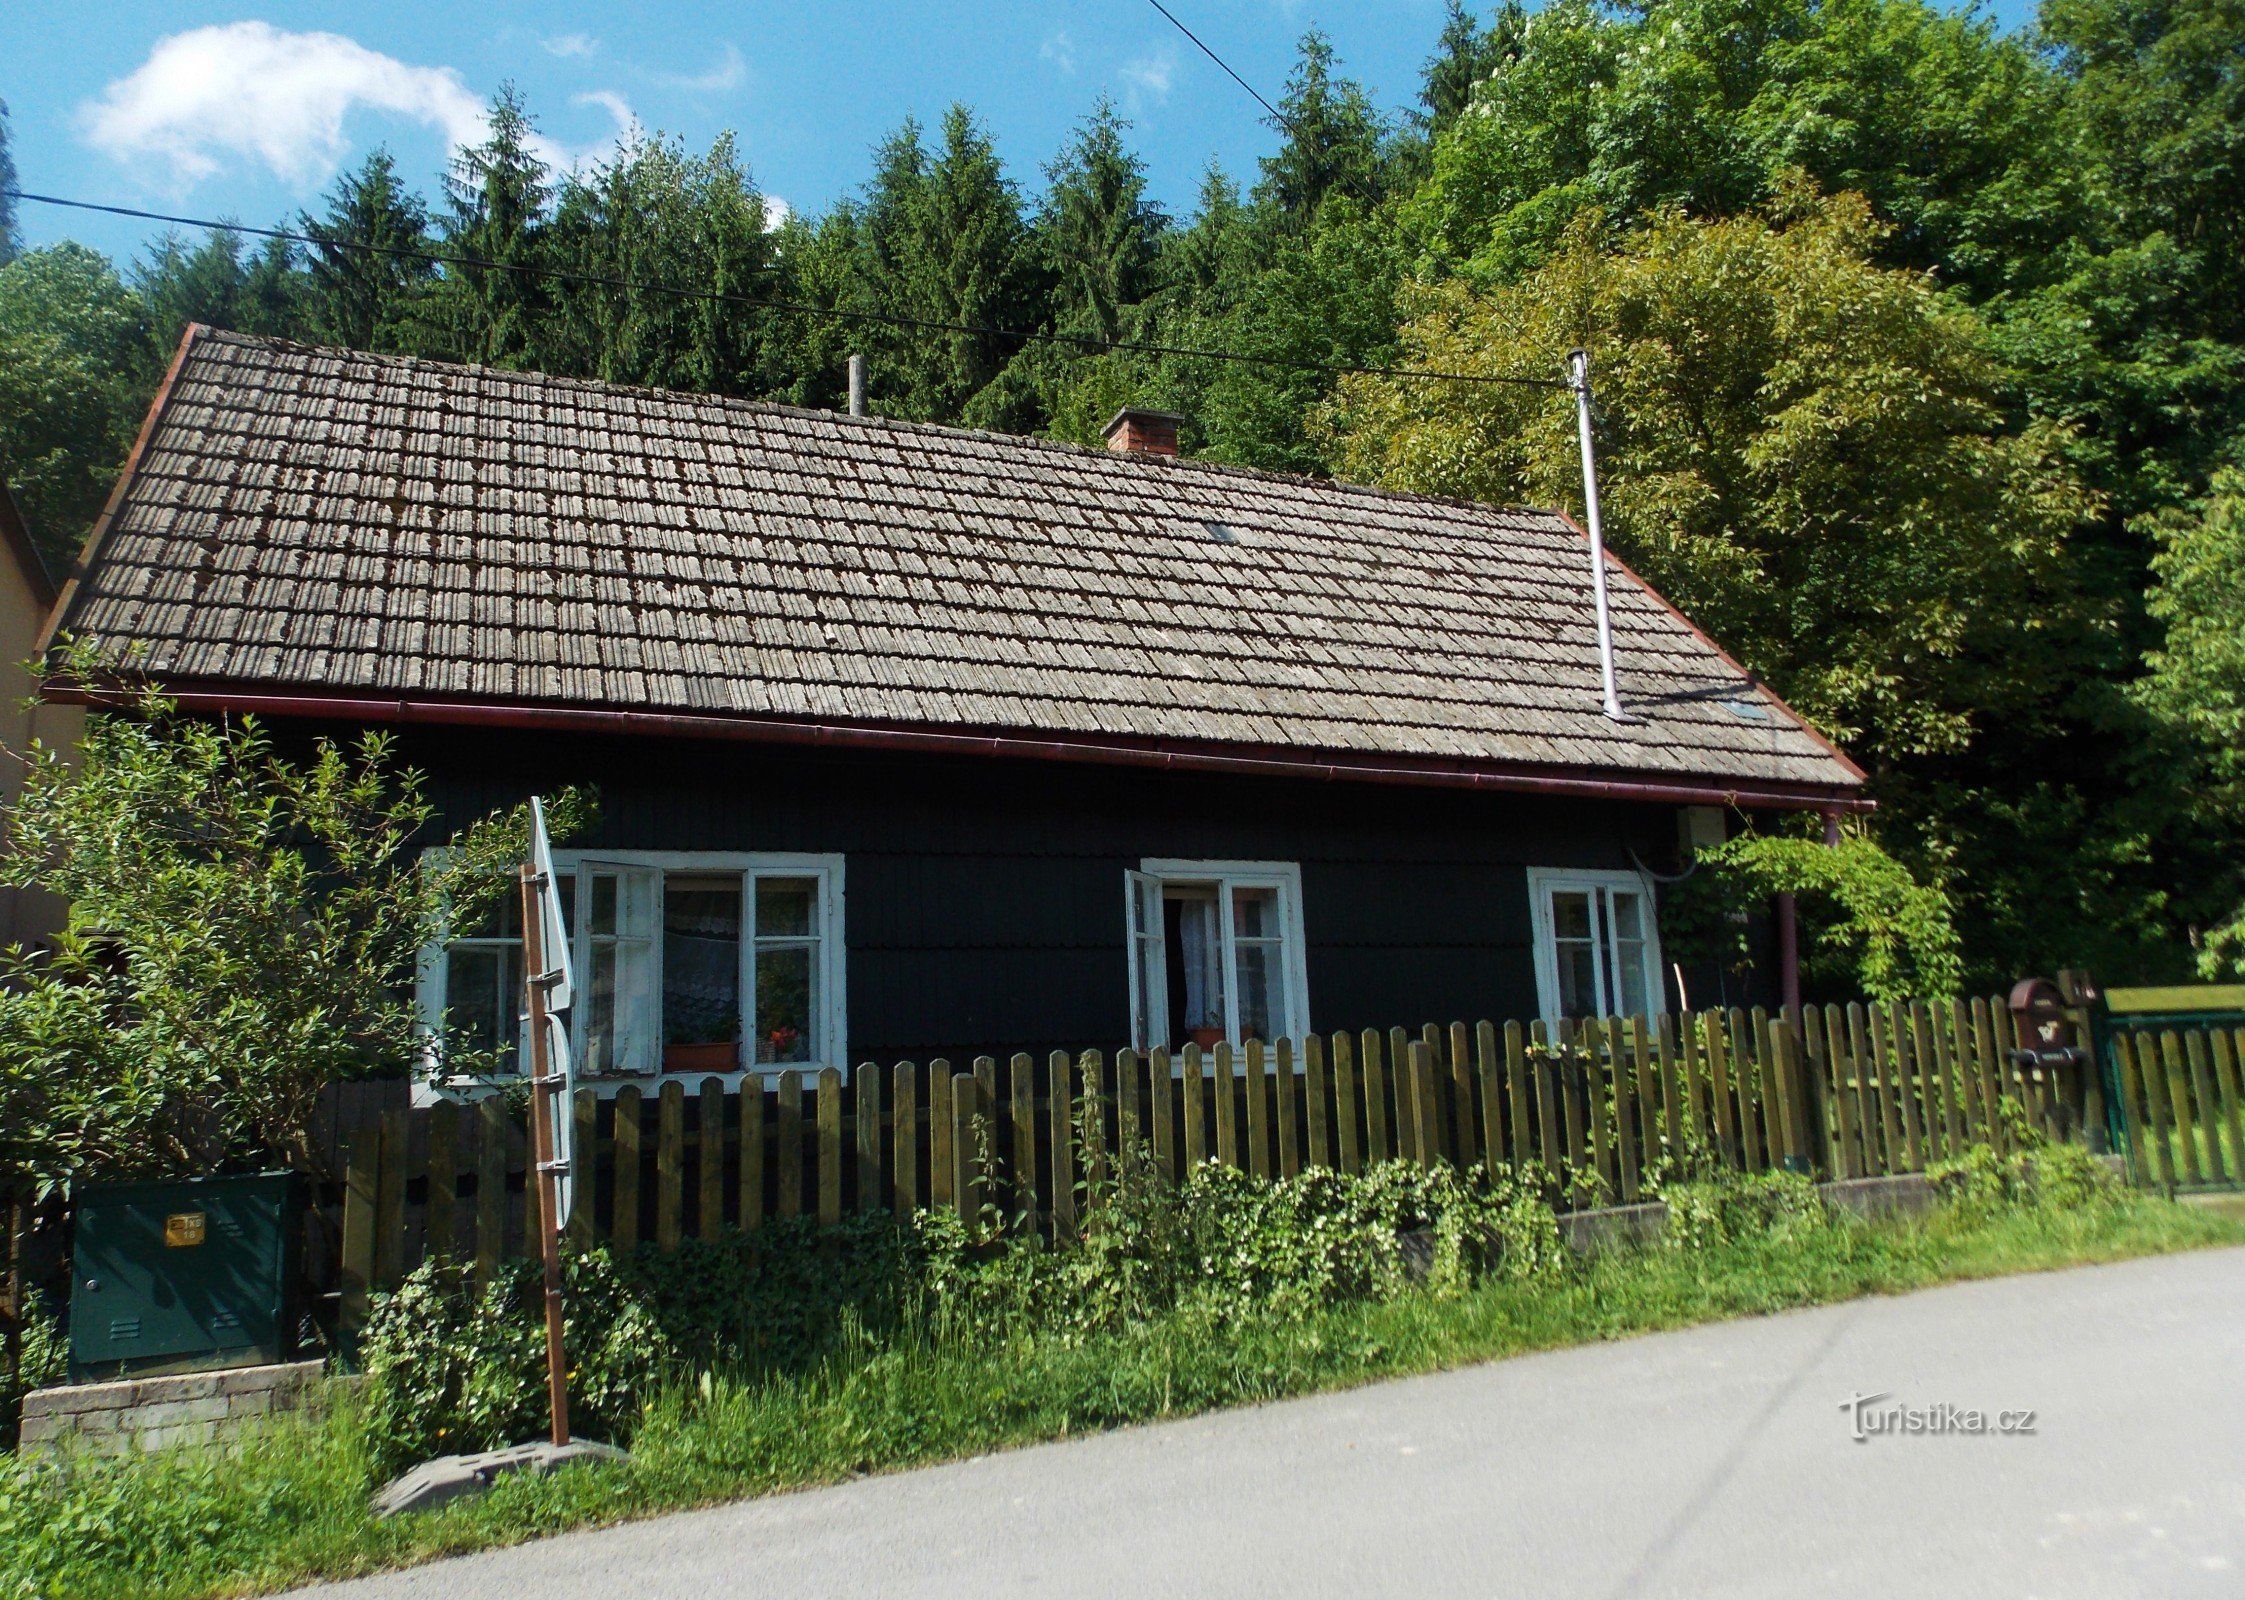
154,1413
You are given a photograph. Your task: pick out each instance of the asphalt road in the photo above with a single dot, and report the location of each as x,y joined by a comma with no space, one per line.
1717,1461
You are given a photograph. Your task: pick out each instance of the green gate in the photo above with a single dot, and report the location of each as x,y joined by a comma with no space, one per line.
2172,1059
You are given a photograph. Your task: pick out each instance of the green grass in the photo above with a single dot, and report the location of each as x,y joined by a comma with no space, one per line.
291,1506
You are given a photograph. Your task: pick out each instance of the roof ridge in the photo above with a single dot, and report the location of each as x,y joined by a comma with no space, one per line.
1120,459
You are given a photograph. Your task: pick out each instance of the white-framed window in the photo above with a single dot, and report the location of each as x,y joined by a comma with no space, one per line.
1215,952
689,962
1597,944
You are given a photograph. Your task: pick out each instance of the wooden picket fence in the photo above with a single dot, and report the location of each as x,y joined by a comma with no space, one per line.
1840,1092
2180,1099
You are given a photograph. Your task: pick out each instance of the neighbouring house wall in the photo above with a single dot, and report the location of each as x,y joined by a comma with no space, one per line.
27,916
985,900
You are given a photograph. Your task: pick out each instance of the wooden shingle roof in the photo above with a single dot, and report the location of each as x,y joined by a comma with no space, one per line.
326,520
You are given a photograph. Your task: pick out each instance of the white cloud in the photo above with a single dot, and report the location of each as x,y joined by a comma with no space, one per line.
727,73
1060,50
248,89
1148,77
570,44
776,211
627,120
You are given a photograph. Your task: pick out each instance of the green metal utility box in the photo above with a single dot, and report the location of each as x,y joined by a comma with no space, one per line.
178,1275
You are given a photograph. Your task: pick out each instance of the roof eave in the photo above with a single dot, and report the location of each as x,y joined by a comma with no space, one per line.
1094,749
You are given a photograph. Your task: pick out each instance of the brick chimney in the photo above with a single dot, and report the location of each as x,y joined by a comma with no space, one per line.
1144,433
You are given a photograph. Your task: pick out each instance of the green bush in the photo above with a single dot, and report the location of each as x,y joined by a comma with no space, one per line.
42,1356
1733,1207
452,1370
2031,1171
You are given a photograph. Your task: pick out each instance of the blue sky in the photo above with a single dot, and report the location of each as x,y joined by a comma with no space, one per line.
235,110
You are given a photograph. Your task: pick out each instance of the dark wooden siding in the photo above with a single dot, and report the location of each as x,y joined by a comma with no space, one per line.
985,897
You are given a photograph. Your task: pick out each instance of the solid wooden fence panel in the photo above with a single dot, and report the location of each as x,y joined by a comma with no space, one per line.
1224,1083
1258,1130
869,1141
670,1163
1347,1096
491,1187
943,1161
1434,1115
1060,1106
1194,1086
440,1237
829,1146
751,1205
1317,1092
1161,1083
1288,1085
709,1159
361,1163
904,1140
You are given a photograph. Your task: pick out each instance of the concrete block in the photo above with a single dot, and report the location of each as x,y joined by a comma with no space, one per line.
186,1386
175,1435
166,1413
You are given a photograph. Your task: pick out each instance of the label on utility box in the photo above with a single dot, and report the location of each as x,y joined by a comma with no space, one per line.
184,1228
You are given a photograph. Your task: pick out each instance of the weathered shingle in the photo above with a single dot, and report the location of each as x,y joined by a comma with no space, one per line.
324,519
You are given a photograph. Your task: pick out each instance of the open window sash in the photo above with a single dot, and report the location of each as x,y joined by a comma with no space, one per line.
618,1020
1149,967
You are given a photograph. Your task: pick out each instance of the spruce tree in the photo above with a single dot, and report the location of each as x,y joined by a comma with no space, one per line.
363,298
499,192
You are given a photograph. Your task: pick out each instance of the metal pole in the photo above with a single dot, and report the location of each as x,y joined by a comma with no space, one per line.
1578,362
857,386
542,1087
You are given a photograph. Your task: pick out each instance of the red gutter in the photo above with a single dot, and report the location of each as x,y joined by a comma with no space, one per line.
1208,757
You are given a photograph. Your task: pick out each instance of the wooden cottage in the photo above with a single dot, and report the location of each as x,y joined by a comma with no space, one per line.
915,741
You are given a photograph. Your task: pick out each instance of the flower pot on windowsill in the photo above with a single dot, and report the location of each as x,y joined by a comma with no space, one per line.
724,1056
1206,1038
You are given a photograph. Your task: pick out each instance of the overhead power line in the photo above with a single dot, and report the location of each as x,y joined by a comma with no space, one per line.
597,280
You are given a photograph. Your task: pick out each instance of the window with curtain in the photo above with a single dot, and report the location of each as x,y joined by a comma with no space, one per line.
1215,953
687,963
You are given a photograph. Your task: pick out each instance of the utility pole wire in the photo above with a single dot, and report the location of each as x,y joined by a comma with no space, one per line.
794,308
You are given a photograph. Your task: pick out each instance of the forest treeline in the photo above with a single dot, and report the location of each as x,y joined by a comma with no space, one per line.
1920,346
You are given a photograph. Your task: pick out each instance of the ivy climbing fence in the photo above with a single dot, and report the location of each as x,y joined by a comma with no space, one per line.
1838,1092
